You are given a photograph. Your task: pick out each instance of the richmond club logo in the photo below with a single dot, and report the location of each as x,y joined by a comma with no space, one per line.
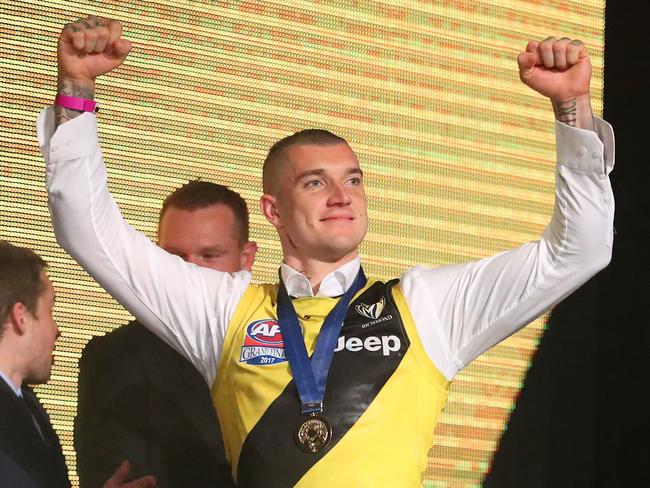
263,343
371,311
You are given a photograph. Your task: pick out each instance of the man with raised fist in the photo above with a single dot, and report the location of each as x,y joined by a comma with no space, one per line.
328,378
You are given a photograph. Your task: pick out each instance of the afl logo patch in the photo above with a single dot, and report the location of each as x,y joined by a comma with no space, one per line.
263,343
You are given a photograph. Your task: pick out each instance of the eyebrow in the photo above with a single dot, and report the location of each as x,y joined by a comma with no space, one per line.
216,249
320,171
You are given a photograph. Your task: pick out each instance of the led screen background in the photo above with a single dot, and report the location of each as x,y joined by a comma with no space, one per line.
458,154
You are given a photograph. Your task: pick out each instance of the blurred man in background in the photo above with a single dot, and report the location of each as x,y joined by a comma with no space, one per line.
138,398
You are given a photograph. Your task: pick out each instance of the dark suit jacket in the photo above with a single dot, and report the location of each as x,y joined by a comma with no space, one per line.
142,401
28,460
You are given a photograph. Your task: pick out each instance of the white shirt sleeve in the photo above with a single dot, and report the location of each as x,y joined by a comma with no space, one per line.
460,311
187,306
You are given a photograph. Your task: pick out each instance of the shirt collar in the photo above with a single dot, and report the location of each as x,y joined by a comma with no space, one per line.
11,385
334,284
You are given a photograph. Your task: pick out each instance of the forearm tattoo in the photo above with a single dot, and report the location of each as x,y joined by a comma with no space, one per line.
72,90
566,111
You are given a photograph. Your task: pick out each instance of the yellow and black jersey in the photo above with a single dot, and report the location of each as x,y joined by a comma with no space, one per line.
382,399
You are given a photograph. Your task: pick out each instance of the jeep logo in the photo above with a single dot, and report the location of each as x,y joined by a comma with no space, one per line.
385,344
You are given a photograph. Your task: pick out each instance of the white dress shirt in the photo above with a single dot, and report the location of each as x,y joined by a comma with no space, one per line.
15,388
460,311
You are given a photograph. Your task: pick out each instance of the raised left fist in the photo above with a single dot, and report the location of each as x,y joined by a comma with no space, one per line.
559,69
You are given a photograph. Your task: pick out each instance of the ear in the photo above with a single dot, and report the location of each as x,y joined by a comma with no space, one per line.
18,318
269,207
248,253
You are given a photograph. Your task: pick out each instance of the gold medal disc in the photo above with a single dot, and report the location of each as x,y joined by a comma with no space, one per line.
313,434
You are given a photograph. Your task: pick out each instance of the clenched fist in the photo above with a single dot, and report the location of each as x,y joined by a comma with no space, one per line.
560,69
89,48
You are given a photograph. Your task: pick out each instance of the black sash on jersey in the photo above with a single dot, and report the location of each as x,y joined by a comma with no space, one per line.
269,455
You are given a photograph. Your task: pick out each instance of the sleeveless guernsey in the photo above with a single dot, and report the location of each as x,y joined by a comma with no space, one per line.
382,399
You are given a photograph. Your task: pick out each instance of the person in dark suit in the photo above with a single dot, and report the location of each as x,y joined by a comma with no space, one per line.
30,451
138,398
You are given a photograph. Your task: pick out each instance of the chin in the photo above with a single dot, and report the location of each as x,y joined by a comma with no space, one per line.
338,251
36,379
39,377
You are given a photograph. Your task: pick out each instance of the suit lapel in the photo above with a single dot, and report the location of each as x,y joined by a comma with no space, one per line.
39,416
49,443
44,458
20,415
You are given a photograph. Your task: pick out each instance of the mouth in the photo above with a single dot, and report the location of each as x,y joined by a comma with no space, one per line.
338,218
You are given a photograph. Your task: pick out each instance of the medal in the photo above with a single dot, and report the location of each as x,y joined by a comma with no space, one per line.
313,434
310,374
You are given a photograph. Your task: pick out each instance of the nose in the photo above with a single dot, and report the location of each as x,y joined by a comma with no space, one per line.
339,195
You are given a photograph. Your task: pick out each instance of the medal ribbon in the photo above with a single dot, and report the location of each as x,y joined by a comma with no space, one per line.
311,375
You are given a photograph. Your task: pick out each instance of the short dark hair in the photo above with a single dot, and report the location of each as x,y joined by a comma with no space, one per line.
198,194
276,155
20,279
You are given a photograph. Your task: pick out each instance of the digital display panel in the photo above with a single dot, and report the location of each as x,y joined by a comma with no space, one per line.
458,154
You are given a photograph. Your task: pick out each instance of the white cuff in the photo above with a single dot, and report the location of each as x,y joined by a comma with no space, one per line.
71,140
585,149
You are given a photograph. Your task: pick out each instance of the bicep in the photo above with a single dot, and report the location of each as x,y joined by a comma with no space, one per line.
462,310
186,306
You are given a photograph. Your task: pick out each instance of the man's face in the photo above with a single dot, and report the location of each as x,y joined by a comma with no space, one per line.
43,332
206,237
320,203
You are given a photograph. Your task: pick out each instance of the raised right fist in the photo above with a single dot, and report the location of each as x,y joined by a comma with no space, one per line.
90,47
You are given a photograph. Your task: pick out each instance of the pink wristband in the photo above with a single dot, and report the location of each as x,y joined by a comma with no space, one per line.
74,103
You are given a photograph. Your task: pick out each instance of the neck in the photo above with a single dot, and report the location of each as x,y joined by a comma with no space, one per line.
12,359
12,375
316,270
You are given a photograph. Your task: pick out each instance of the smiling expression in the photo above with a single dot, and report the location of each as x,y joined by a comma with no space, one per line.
319,207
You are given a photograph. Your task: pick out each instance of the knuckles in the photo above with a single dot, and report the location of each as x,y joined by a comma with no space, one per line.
556,52
91,34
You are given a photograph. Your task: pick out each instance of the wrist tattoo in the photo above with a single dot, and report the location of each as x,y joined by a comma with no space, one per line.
71,89
566,111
